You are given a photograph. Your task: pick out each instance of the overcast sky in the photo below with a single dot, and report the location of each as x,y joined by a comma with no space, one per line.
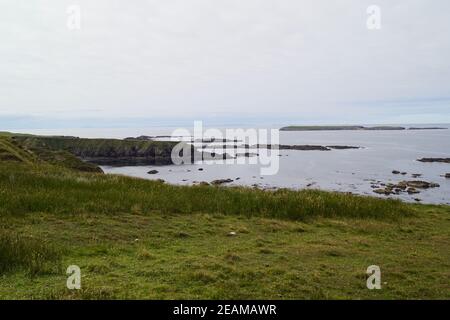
304,61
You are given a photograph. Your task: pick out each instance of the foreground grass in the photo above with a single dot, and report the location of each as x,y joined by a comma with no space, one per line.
178,256
27,254
143,239
56,190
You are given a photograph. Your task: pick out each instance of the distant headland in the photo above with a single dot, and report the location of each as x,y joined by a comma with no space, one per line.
337,128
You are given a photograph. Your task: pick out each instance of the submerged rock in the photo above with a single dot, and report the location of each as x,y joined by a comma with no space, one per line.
382,191
247,154
412,191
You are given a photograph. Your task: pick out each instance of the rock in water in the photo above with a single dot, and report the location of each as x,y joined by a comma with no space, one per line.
405,186
153,172
221,181
382,191
420,184
412,191
442,160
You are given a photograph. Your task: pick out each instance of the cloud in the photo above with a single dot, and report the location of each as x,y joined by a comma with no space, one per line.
172,58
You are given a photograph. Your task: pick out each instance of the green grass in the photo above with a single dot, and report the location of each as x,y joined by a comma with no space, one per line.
13,149
55,190
170,256
142,239
10,151
27,254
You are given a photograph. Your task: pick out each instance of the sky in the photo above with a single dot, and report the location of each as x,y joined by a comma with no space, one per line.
157,61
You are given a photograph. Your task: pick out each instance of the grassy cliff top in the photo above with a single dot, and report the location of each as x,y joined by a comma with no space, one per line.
99,147
14,150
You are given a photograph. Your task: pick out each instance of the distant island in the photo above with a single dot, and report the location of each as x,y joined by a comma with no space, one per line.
338,128
427,128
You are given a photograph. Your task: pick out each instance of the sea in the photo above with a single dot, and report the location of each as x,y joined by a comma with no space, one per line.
358,171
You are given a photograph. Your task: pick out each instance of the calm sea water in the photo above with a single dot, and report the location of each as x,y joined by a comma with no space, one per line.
337,170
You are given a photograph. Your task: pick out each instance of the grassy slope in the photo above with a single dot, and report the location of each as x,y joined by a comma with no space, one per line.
11,152
142,239
12,149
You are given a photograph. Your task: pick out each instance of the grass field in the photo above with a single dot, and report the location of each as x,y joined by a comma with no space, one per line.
147,240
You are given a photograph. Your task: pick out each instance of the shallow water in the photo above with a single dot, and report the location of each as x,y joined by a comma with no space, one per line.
338,170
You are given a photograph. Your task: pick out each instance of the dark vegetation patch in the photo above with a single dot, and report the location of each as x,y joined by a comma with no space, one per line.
27,254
